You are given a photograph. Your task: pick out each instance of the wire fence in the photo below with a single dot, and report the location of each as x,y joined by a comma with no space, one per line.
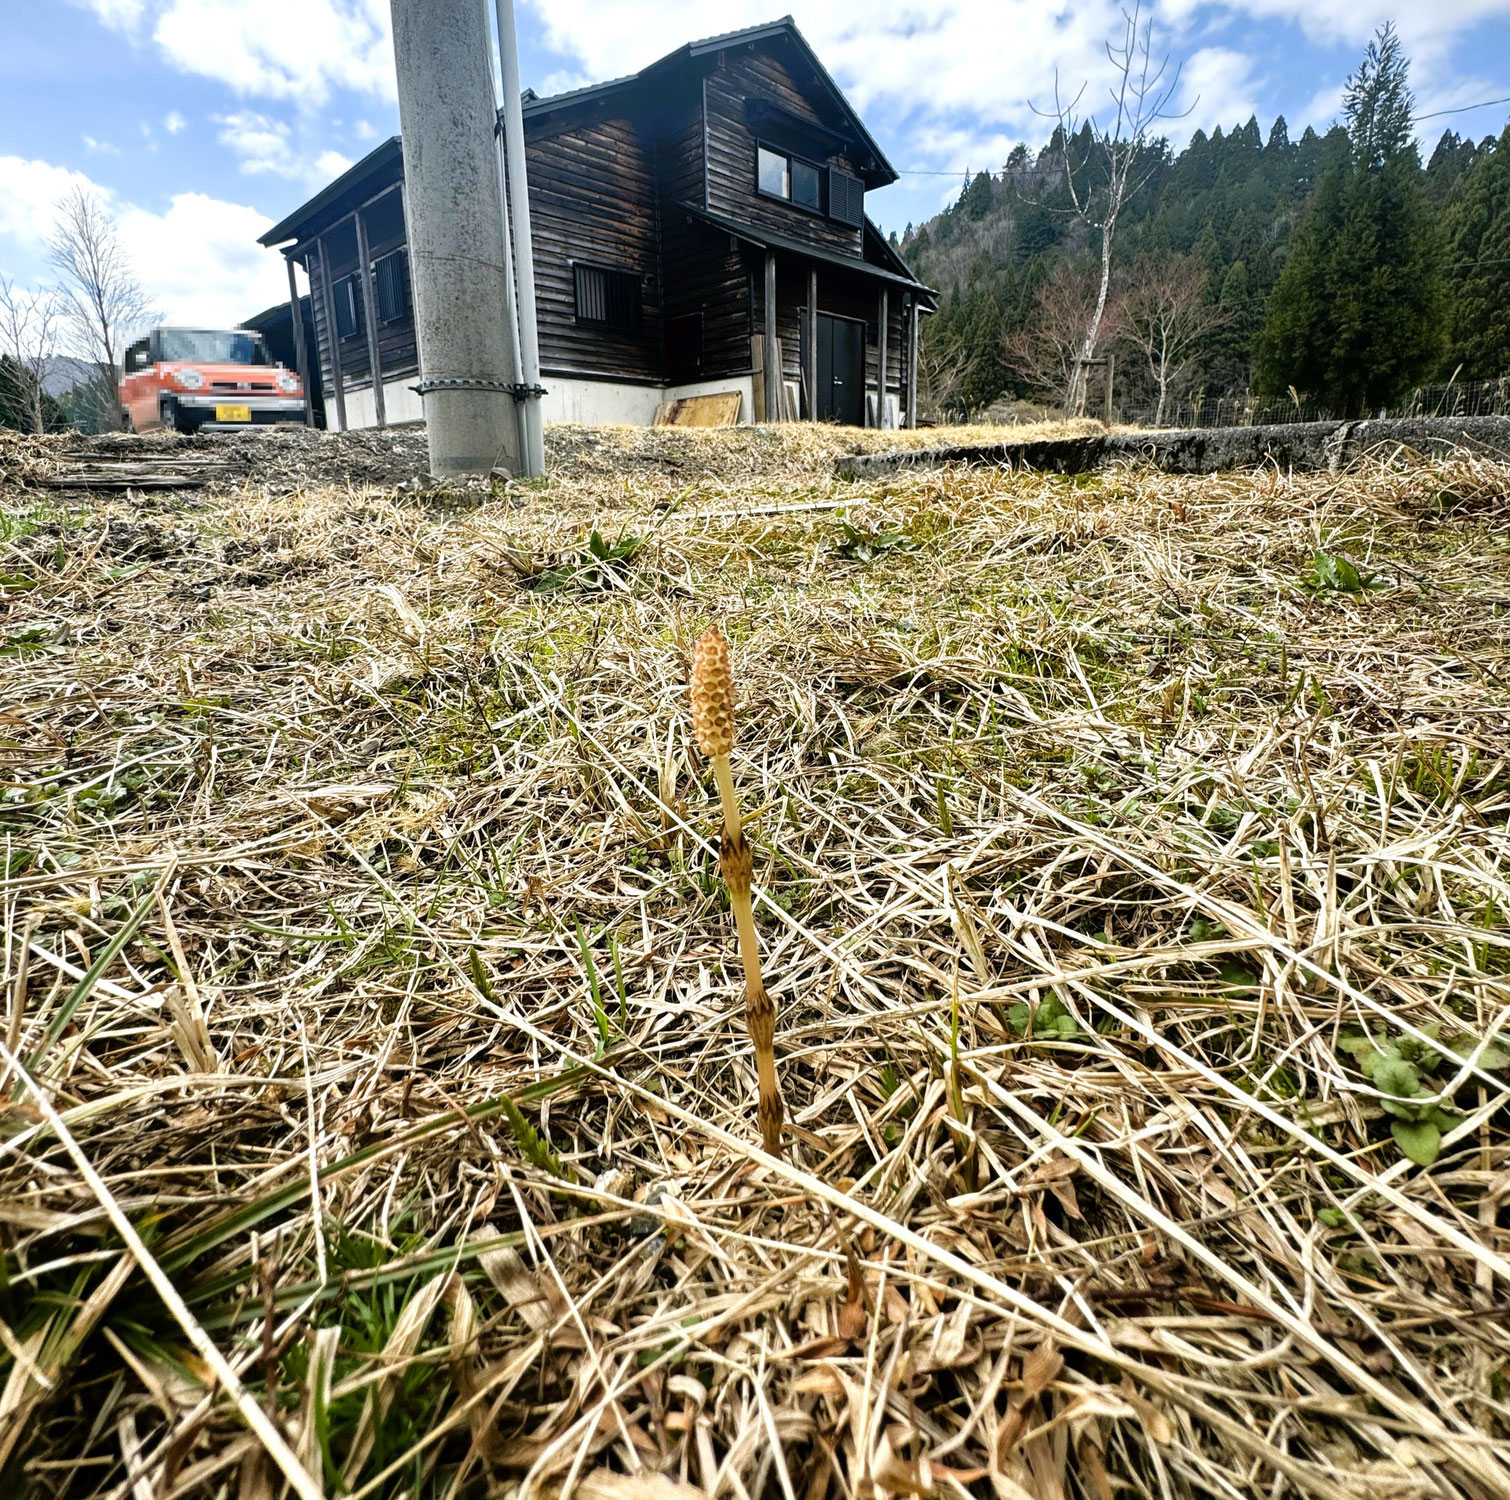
1455,398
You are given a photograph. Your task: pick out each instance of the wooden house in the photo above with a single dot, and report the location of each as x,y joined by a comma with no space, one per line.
696,225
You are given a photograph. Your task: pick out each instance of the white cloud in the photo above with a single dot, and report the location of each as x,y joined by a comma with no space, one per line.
1324,106
974,150
563,81
280,49
173,122
264,145
955,77
266,148
28,192
942,85
100,148
201,262
199,259
1216,87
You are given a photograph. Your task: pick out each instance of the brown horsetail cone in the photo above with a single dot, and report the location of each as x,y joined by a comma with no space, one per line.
712,695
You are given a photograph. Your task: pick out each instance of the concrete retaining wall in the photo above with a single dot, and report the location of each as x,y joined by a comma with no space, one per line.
1296,445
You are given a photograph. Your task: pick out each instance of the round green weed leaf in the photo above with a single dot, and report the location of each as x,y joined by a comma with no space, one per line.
1420,1140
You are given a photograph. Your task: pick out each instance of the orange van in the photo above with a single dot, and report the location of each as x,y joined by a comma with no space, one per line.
198,380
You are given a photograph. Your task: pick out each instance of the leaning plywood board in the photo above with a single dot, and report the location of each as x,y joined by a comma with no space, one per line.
717,409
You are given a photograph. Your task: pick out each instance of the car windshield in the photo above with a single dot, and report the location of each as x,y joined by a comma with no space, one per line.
232,348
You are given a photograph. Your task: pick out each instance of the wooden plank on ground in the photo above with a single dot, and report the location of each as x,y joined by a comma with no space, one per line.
716,409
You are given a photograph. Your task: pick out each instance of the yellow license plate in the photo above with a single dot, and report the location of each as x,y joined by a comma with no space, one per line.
233,414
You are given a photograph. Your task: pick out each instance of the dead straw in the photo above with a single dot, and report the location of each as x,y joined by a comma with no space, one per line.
377,968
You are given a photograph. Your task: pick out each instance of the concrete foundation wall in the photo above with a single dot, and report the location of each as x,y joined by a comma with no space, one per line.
593,403
596,403
1299,445
402,405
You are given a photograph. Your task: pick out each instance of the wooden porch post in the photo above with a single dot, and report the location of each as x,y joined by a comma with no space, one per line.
369,317
812,343
883,316
768,352
912,363
333,334
301,354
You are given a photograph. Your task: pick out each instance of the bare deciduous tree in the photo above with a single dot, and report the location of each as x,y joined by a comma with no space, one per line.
103,299
1116,159
1166,315
1049,350
28,340
944,364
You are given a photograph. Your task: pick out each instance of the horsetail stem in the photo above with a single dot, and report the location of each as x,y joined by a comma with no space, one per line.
712,694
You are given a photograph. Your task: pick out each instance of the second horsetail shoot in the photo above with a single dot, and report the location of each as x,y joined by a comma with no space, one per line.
713,725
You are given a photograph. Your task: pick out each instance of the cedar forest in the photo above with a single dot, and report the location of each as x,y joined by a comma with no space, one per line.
1334,272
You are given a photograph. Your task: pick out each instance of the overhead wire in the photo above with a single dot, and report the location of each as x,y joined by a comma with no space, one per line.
1437,114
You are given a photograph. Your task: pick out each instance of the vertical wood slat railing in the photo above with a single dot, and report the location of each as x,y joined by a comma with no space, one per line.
369,317
301,352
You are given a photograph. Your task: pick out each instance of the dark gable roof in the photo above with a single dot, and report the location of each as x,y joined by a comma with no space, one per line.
387,160
786,28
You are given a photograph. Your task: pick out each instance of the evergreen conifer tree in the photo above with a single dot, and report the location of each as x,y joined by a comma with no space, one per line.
1478,256
1356,315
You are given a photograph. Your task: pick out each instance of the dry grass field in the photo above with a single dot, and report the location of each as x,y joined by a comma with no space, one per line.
1132,880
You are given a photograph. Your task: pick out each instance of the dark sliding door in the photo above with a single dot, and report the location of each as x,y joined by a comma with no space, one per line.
841,370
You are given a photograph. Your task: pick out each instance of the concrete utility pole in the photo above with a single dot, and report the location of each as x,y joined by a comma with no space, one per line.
445,107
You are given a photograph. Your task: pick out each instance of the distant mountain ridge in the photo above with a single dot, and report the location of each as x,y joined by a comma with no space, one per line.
61,373
1230,200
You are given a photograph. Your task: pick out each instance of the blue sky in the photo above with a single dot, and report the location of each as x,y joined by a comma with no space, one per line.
203,121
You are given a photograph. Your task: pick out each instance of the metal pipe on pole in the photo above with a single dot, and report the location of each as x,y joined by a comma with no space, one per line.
510,302
455,216
510,292
523,242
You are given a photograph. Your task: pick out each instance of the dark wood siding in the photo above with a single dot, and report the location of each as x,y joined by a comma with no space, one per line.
852,297
610,177
702,273
398,348
593,199
844,295
760,74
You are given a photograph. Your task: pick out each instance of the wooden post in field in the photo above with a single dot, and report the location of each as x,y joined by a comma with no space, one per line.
912,363
770,361
812,343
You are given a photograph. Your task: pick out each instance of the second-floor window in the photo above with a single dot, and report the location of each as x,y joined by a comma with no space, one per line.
781,176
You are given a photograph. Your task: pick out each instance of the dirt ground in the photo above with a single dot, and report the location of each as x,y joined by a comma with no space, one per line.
1131,863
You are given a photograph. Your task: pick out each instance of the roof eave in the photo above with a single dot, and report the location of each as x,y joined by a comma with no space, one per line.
289,227
884,175
753,234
